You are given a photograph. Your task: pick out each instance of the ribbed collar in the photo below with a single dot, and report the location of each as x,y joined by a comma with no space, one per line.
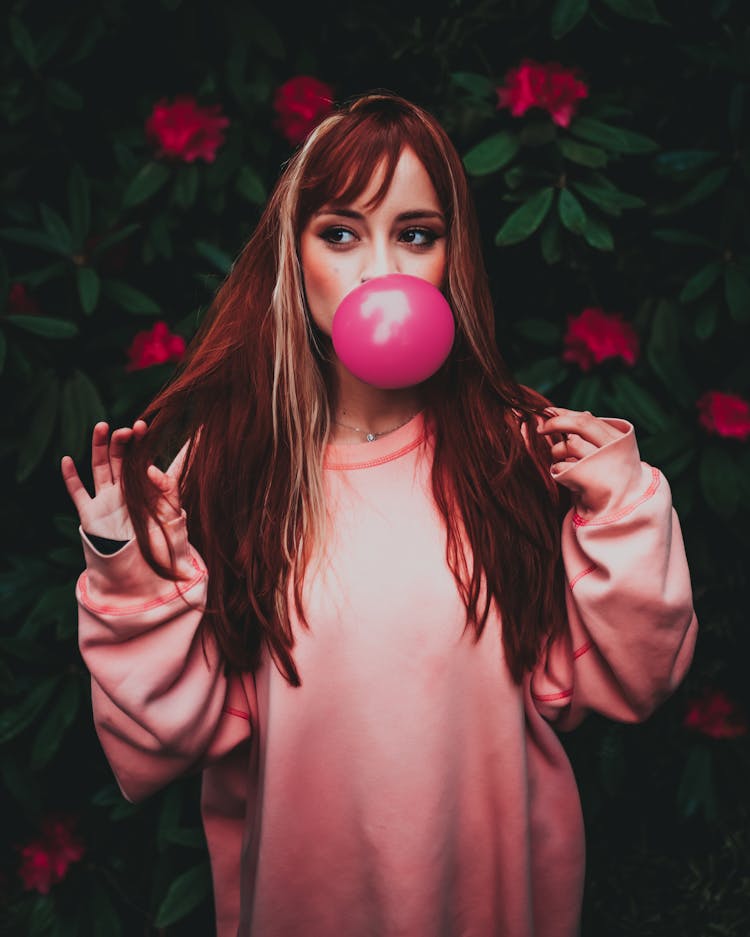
358,455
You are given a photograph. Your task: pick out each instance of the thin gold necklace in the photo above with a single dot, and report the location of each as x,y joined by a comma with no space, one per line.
371,437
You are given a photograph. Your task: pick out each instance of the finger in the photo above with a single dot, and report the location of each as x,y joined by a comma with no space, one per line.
572,447
117,445
74,485
100,468
168,487
583,424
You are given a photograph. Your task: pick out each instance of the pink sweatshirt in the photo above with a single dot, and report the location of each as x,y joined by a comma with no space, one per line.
408,788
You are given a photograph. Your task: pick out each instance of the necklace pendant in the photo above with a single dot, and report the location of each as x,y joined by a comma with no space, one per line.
370,437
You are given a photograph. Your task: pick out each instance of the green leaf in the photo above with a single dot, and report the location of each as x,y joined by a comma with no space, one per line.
250,186
105,919
81,408
35,278
702,190
543,375
59,718
550,241
637,404
477,85
45,326
586,394
56,228
539,330
706,320
700,282
158,237
39,432
110,240
664,355
185,893
643,10
677,236
15,719
491,154
616,139
609,198
22,41
582,153
185,187
566,14
525,220
679,162
29,238
697,790
719,477
737,293
63,95
129,298
89,286
146,183
571,212
598,234
222,261
79,205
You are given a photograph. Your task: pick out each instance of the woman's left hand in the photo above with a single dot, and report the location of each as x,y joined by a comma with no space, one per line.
575,434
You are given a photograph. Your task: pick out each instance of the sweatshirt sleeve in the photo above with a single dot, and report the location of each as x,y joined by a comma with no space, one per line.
162,702
632,627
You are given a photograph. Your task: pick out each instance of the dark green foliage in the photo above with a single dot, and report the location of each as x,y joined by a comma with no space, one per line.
638,206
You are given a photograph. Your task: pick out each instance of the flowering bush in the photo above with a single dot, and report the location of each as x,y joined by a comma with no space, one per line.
46,858
716,716
154,346
724,414
184,131
301,103
594,336
549,86
20,302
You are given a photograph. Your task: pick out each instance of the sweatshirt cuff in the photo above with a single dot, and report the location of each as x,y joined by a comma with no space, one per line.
611,480
126,574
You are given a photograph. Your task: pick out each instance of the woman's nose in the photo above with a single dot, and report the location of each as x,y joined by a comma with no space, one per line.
378,263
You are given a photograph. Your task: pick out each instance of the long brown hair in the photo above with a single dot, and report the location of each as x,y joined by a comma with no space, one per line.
252,401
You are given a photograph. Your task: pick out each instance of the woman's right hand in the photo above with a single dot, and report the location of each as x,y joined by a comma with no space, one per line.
106,514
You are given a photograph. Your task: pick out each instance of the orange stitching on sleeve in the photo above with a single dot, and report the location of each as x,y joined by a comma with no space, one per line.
144,606
580,575
231,711
582,650
617,515
551,697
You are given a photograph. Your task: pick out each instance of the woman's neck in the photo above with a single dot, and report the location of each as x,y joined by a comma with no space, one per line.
362,409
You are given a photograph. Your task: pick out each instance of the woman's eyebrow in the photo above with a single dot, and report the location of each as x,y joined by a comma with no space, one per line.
414,214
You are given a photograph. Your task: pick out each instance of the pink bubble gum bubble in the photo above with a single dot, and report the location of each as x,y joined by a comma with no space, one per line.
393,331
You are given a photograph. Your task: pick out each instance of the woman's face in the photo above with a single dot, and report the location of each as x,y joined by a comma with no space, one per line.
341,246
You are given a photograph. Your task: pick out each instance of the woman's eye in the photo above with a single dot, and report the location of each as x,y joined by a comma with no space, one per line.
419,237
337,235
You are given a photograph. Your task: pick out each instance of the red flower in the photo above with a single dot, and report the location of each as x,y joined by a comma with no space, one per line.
21,303
595,335
301,103
715,715
724,414
549,86
155,346
45,860
184,131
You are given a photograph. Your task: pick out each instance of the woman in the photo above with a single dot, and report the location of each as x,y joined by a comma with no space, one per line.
379,752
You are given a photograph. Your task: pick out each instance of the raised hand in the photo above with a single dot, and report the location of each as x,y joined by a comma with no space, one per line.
580,433
106,514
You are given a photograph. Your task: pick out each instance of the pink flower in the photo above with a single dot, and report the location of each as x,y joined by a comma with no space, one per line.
595,335
155,346
724,414
715,715
21,303
45,860
185,131
300,104
549,86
